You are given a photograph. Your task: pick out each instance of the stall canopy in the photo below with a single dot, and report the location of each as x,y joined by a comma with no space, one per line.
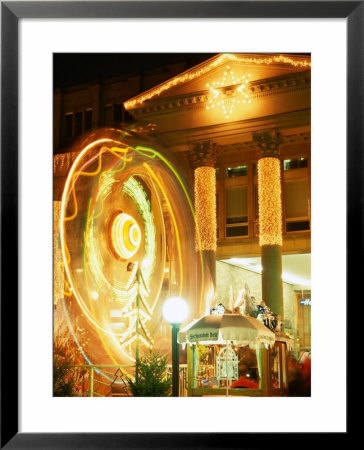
218,329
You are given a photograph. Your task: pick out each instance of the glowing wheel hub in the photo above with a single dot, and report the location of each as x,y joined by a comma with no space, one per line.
124,236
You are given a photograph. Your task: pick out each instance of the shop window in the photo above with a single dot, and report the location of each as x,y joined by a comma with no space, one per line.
296,163
236,211
296,194
304,320
238,171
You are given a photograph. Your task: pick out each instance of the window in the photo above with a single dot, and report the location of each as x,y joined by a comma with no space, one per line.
236,201
296,194
236,211
69,126
78,124
238,171
256,202
88,119
217,215
296,191
218,203
108,115
114,114
297,163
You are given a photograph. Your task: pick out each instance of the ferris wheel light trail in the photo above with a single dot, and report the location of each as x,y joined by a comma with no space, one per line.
125,235
122,213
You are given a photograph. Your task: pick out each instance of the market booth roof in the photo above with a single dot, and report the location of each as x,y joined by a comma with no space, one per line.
217,329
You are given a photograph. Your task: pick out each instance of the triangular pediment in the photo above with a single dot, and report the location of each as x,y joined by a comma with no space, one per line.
223,70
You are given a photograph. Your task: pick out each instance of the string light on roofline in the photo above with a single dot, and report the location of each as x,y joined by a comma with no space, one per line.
204,69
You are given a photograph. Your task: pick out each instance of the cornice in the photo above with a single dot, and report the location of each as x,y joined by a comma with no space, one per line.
238,131
292,62
197,100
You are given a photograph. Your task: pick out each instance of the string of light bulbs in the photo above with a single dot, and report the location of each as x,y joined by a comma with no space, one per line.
203,69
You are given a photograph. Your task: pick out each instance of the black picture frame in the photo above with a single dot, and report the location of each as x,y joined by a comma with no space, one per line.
11,13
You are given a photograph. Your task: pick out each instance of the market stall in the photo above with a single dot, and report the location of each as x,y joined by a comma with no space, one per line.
227,354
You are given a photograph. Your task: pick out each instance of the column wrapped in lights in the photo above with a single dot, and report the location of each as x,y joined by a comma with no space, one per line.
270,201
205,207
203,158
270,219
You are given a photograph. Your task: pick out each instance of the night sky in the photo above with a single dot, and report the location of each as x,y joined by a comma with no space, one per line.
70,69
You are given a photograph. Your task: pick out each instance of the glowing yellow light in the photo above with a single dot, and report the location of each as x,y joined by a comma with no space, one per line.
94,295
227,99
205,207
203,69
270,203
124,235
155,178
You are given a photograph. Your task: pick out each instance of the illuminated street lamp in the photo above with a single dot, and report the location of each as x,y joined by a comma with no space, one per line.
175,311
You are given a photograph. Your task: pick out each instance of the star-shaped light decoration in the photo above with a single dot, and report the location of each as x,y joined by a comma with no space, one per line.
228,92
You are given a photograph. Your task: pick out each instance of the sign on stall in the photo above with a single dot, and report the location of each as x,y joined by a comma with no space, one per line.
203,336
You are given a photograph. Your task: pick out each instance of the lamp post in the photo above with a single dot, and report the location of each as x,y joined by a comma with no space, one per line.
175,311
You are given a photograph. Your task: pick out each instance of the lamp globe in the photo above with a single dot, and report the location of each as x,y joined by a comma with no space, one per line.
175,310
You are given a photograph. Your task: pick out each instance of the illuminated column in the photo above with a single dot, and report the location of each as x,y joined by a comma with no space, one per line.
203,158
270,219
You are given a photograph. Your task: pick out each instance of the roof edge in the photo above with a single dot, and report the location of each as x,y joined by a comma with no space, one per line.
217,60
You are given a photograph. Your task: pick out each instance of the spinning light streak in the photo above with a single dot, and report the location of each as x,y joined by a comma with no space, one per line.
124,236
116,202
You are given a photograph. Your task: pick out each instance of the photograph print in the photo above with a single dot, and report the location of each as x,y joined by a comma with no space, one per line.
181,224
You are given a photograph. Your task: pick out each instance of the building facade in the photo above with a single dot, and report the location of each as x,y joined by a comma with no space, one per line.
224,118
